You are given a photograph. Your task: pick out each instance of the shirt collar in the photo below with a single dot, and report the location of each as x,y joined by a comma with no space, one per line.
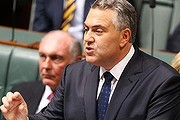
117,70
47,91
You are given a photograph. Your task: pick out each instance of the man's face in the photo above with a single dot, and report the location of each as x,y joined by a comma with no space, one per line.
54,56
101,39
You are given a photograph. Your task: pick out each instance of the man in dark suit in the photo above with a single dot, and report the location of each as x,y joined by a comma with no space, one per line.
131,84
49,16
57,49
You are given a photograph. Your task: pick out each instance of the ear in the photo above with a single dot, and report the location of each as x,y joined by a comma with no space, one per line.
126,37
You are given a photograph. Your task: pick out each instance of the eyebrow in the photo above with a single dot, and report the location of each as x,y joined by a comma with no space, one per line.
95,26
50,55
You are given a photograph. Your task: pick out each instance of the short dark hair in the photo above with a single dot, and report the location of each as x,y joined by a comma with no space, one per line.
126,14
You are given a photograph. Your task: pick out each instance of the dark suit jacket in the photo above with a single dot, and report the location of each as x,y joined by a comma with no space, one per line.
173,43
49,14
32,93
148,89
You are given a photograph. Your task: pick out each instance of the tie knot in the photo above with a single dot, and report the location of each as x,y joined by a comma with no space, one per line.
108,77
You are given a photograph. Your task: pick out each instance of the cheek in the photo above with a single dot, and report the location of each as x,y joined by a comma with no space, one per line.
107,48
57,69
104,44
40,67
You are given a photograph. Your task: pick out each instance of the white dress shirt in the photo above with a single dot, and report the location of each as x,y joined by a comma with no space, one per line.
116,71
44,101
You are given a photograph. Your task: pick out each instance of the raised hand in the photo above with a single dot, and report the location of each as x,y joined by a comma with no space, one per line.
14,107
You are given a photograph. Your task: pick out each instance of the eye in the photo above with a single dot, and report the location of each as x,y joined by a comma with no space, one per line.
42,57
98,31
85,29
57,59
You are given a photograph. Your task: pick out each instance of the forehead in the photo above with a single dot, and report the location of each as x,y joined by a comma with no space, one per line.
100,17
50,45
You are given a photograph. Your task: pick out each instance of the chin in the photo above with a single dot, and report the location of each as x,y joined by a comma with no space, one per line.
92,60
46,81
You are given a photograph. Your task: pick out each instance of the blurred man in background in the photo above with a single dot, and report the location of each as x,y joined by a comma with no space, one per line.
57,49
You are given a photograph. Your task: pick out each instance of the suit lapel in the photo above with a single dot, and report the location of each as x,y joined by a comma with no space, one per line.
121,92
91,93
34,98
126,83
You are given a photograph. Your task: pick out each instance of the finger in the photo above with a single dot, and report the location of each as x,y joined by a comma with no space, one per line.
3,109
11,100
22,108
8,100
5,102
9,96
17,96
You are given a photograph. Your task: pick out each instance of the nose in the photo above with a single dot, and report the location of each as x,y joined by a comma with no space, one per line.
47,63
88,38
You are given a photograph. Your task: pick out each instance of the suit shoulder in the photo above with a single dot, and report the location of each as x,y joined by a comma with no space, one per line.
80,65
153,64
79,69
27,86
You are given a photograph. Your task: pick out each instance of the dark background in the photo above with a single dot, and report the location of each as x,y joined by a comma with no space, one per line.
19,18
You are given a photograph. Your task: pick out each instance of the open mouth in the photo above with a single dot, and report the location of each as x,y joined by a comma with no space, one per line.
88,48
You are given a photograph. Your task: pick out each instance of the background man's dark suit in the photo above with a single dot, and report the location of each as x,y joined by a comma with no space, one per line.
49,14
148,89
173,43
32,93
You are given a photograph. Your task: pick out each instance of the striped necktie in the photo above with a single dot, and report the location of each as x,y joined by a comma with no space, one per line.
68,14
